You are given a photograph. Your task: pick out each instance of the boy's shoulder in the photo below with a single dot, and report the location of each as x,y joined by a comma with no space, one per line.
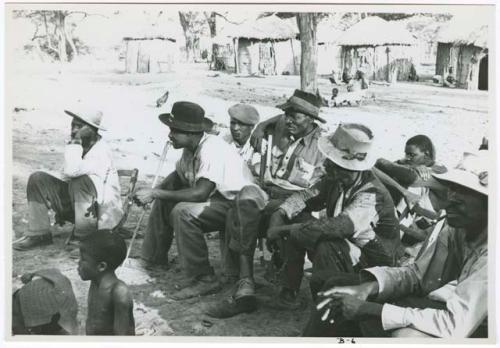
121,292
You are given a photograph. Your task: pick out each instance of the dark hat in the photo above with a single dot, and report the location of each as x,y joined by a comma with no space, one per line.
185,116
303,102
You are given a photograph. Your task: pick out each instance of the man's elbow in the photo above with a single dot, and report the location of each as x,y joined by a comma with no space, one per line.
201,196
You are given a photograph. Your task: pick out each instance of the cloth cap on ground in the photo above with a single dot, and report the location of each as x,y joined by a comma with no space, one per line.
185,116
303,102
244,113
41,298
471,172
89,116
350,147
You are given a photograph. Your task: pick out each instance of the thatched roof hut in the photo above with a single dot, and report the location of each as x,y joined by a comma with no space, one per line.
150,49
382,49
463,47
266,46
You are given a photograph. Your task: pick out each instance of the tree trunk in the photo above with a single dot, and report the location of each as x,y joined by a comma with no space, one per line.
211,20
307,23
187,35
63,56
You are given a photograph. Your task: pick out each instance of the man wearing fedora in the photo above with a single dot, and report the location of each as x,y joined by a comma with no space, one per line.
210,181
443,294
360,227
88,192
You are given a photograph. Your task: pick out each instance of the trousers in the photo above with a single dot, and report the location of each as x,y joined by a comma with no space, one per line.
237,220
74,201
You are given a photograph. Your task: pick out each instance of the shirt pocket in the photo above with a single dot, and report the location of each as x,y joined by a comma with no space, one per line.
301,173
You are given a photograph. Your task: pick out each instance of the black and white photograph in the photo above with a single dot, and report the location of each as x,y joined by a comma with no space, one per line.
252,171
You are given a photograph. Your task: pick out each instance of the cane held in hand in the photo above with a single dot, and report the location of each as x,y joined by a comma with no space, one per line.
153,185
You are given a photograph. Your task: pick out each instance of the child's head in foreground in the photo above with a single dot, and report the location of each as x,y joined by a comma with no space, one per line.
100,252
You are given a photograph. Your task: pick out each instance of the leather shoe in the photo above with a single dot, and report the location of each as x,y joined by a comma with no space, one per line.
30,242
204,285
245,293
229,308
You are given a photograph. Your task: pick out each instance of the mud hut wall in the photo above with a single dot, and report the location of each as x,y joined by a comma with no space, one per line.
267,58
285,57
329,58
150,56
374,61
443,56
248,56
467,72
132,52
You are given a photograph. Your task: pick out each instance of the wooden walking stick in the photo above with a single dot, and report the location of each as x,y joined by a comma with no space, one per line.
264,177
143,214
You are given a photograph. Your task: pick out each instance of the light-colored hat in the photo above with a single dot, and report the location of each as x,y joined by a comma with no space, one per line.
244,113
91,117
350,147
471,172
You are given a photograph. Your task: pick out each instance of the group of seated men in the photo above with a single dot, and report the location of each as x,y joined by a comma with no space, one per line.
226,183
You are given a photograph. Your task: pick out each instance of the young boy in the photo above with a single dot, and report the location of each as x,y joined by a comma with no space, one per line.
110,305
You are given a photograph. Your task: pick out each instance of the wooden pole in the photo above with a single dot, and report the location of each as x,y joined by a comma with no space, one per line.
294,60
236,60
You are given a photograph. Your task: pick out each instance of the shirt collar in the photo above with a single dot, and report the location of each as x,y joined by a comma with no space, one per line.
309,137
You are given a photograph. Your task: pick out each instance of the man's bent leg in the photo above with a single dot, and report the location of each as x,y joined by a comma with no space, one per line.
190,221
83,195
45,192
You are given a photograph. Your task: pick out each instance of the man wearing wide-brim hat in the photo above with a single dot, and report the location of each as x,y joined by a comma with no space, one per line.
86,193
444,293
360,227
295,161
210,181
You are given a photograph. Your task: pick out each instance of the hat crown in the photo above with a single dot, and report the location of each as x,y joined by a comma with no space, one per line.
89,116
244,113
353,139
475,164
188,112
312,99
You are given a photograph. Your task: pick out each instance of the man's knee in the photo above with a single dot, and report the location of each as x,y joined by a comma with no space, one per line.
254,194
82,185
35,179
181,212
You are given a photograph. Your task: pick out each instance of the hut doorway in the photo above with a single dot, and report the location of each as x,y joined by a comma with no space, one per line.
483,74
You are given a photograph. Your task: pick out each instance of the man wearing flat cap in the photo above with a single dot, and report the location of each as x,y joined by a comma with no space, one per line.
360,227
86,194
243,118
209,182
444,293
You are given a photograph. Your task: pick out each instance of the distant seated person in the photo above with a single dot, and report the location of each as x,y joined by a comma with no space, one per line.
86,193
45,305
443,294
346,99
110,304
450,79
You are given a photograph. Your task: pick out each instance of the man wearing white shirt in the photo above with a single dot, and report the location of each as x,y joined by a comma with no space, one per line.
443,294
88,192
211,182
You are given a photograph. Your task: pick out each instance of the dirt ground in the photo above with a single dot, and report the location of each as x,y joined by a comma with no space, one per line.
456,120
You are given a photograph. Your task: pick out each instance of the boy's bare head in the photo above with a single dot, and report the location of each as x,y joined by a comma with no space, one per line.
101,251
335,92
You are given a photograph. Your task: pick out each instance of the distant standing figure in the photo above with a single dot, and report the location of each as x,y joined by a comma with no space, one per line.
110,304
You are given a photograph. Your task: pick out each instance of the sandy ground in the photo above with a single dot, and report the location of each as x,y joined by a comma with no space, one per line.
456,120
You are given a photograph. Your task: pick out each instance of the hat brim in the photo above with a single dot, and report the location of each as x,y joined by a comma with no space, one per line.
170,121
331,152
287,105
463,178
72,114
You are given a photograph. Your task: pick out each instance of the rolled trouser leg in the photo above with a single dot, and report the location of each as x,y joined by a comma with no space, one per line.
45,192
242,227
293,255
159,233
190,221
83,195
